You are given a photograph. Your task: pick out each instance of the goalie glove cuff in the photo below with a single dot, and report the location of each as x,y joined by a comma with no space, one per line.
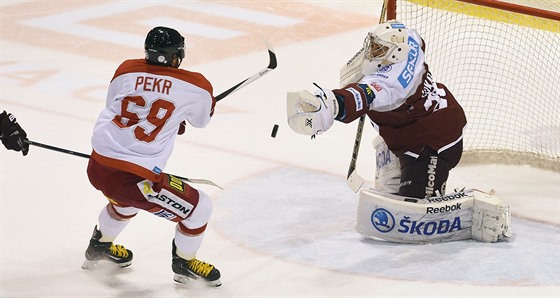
329,98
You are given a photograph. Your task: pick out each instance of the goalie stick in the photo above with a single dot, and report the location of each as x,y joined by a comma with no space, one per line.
353,179
272,63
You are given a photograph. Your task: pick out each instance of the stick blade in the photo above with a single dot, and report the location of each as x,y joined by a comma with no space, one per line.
354,181
271,55
203,181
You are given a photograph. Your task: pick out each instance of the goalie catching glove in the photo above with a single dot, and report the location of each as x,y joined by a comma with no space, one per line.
310,114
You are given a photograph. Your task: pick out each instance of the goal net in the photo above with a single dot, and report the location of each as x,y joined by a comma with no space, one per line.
501,60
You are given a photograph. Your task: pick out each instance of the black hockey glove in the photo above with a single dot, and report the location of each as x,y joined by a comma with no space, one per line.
12,135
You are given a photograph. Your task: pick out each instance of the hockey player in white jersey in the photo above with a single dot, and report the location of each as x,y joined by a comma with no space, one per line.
420,124
149,102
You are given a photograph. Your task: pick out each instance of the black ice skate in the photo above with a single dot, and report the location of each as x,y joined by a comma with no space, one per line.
105,251
194,269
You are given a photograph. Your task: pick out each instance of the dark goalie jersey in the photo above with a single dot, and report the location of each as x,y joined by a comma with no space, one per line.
410,110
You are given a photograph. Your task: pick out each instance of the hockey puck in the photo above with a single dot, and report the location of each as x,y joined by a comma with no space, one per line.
274,131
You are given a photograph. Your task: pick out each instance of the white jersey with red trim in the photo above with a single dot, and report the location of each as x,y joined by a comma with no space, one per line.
144,109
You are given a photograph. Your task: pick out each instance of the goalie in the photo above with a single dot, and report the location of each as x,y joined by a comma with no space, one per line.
419,121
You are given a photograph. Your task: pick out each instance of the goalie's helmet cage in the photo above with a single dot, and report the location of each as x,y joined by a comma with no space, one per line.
162,44
386,44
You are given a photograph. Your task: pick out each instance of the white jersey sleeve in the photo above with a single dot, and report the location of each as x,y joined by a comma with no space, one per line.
145,106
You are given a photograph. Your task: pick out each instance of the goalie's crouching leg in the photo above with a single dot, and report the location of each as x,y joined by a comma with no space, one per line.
468,214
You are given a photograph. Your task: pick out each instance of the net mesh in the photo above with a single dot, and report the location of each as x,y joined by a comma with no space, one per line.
503,67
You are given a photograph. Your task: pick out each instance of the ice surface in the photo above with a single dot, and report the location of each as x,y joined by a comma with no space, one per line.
284,224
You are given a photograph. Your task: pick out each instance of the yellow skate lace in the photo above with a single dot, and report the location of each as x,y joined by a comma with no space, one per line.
118,250
200,267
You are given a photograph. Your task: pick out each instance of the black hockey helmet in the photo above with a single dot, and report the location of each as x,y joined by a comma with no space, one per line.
162,44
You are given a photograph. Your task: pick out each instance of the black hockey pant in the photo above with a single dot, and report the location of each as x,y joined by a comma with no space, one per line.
421,177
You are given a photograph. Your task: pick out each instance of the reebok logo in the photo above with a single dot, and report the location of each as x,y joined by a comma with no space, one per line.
449,197
446,208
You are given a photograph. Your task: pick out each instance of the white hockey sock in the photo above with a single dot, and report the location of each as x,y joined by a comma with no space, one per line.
187,245
110,227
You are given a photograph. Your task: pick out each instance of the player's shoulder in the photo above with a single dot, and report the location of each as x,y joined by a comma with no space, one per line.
141,66
130,66
416,39
188,75
192,77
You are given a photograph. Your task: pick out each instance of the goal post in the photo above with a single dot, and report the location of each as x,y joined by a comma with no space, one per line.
501,60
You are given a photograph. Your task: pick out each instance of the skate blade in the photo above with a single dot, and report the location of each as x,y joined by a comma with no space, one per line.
88,265
92,265
186,280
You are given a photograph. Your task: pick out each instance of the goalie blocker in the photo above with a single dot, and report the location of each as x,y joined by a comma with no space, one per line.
467,214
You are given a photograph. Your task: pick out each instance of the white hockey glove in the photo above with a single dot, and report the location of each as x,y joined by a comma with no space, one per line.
310,114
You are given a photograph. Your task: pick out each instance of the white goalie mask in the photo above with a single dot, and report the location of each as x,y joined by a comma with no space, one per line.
386,44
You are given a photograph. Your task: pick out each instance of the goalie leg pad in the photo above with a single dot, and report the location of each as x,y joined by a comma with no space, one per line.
388,168
491,218
398,219
457,216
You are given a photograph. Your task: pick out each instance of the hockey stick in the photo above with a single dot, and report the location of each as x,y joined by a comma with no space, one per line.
272,63
67,151
353,179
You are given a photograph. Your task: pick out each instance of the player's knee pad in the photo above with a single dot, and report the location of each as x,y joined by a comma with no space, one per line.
388,168
196,223
123,213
